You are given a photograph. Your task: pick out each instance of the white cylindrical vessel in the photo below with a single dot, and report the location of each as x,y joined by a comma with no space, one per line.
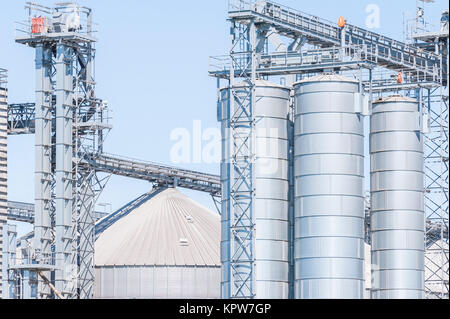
270,208
329,189
397,199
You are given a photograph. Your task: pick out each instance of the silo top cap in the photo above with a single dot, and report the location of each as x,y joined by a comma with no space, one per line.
326,78
395,98
259,83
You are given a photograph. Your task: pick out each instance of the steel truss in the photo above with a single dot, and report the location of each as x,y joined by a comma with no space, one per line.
240,206
436,191
69,122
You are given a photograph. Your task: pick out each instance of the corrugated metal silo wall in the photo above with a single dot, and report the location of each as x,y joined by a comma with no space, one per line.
271,205
397,185
329,191
156,282
3,177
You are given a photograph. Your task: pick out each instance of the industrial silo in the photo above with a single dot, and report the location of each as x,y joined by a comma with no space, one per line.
166,248
271,113
329,188
397,197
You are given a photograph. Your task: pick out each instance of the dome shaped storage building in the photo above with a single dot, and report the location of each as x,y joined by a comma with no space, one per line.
169,247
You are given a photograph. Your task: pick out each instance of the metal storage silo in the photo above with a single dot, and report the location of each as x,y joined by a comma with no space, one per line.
271,205
397,191
329,188
166,248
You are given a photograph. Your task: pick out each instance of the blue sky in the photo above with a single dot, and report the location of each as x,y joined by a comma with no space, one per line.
152,63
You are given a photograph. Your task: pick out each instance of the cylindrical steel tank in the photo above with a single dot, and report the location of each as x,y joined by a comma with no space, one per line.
271,112
397,199
168,247
329,189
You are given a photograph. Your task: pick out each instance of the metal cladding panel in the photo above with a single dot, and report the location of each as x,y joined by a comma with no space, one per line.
317,164
269,288
330,288
329,143
329,190
271,189
396,141
397,199
396,294
271,249
328,204
323,226
310,247
272,209
313,185
332,267
404,160
145,282
401,220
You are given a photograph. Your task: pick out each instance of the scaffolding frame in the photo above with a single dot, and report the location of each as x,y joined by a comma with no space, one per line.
242,270
69,123
424,69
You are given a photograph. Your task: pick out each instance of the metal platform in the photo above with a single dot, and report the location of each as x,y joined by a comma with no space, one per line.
386,52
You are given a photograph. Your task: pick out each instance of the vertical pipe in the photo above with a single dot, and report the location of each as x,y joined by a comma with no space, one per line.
43,163
3,180
65,259
26,285
252,38
5,262
397,192
291,215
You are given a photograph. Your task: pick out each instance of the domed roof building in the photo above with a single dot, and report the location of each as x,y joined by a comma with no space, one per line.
168,247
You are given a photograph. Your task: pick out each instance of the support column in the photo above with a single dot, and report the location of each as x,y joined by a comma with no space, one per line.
3,178
242,176
43,168
86,229
66,268
9,246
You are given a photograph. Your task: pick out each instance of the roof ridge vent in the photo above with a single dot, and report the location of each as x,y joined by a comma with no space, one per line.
189,218
184,242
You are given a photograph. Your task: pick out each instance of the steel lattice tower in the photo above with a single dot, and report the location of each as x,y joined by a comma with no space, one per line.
69,128
242,143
